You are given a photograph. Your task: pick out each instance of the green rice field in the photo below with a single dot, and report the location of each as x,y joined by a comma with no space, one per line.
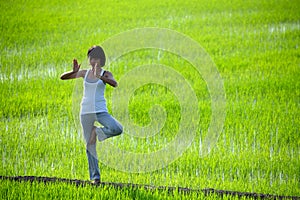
254,46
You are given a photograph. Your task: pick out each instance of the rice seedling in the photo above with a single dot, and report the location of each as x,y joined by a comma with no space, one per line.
254,44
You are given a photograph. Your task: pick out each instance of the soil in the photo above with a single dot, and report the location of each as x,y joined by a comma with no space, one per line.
206,191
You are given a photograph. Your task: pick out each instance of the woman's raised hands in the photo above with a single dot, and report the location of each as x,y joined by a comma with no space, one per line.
76,67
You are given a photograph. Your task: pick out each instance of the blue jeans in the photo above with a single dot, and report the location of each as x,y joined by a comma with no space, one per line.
111,127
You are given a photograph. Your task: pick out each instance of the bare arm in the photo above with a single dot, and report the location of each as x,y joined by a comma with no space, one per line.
75,73
108,78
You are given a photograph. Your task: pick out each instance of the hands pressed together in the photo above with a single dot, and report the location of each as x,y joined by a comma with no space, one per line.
97,70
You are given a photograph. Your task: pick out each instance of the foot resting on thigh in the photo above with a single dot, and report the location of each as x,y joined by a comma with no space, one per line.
93,136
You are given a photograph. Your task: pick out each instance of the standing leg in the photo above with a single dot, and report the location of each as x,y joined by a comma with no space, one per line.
87,122
111,126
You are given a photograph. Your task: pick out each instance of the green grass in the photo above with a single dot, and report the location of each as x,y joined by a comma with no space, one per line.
254,44
25,190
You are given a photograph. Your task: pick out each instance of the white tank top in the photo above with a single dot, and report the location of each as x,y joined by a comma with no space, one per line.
93,100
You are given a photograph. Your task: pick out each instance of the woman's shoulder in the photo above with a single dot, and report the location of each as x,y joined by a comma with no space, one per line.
82,72
107,73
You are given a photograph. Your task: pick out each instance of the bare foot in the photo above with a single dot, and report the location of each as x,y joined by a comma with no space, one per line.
96,182
93,137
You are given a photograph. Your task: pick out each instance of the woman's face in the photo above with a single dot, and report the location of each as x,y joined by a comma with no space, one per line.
93,61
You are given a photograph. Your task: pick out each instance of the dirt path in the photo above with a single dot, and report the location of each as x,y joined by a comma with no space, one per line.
206,191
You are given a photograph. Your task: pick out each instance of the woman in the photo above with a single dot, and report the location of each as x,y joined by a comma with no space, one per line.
93,106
